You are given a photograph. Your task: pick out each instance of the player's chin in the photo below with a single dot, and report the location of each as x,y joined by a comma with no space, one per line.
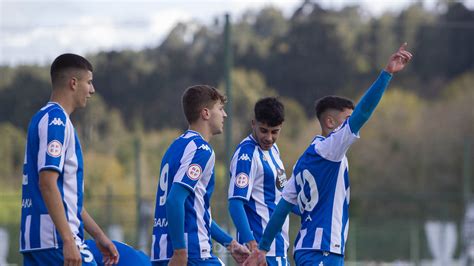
84,103
218,131
266,146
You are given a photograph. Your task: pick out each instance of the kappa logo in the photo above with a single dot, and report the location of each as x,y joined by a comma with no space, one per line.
321,264
204,147
244,157
57,122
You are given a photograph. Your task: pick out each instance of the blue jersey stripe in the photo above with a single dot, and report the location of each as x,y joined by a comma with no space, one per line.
80,182
56,133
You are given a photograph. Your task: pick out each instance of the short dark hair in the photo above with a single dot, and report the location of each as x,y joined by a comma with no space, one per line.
332,102
197,97
68,61
269,111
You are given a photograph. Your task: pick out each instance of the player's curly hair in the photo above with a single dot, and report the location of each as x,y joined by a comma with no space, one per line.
270,111
332,102
197,97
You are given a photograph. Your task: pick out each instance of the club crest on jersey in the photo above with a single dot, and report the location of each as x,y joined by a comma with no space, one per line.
244,157
242,180
194,172
204,147
281,180
54,148
57,122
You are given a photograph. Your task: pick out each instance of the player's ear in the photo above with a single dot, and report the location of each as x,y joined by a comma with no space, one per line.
330,122
72,82
205,114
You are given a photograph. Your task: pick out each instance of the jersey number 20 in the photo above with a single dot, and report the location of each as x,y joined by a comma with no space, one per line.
306,179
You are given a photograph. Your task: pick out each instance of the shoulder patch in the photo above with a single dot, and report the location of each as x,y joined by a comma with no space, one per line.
54,148
242,180
194,171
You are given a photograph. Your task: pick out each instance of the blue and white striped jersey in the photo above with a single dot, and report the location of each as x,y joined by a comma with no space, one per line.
320,186
258,177
189,161
52,144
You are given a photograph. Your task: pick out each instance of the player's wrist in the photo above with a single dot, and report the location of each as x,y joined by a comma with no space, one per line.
68,239
100,237
180,252
387,71
252,245
231,244
262,248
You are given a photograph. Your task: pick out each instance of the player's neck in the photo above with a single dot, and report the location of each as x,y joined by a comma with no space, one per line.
203,130
325,132
59,97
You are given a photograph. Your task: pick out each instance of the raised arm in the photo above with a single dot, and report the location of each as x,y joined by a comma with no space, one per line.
371,98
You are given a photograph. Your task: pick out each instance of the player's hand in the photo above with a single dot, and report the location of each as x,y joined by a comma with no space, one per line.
252,245
257,258
180,257
398,60
72,256
109,251
239,252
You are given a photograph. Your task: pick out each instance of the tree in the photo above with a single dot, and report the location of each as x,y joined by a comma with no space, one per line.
12,146
26,94
309,61
444,49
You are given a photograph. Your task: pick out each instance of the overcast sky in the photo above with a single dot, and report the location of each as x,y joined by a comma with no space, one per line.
36,31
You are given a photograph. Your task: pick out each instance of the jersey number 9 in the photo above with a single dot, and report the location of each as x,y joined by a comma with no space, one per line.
164,183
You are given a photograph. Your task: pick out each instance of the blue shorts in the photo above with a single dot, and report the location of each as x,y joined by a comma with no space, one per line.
53,257
316,257
128,255
160,263
277,261
213,261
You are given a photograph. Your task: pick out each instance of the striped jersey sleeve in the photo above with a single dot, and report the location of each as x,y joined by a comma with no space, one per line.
242,172
196,157
53,138
336,144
